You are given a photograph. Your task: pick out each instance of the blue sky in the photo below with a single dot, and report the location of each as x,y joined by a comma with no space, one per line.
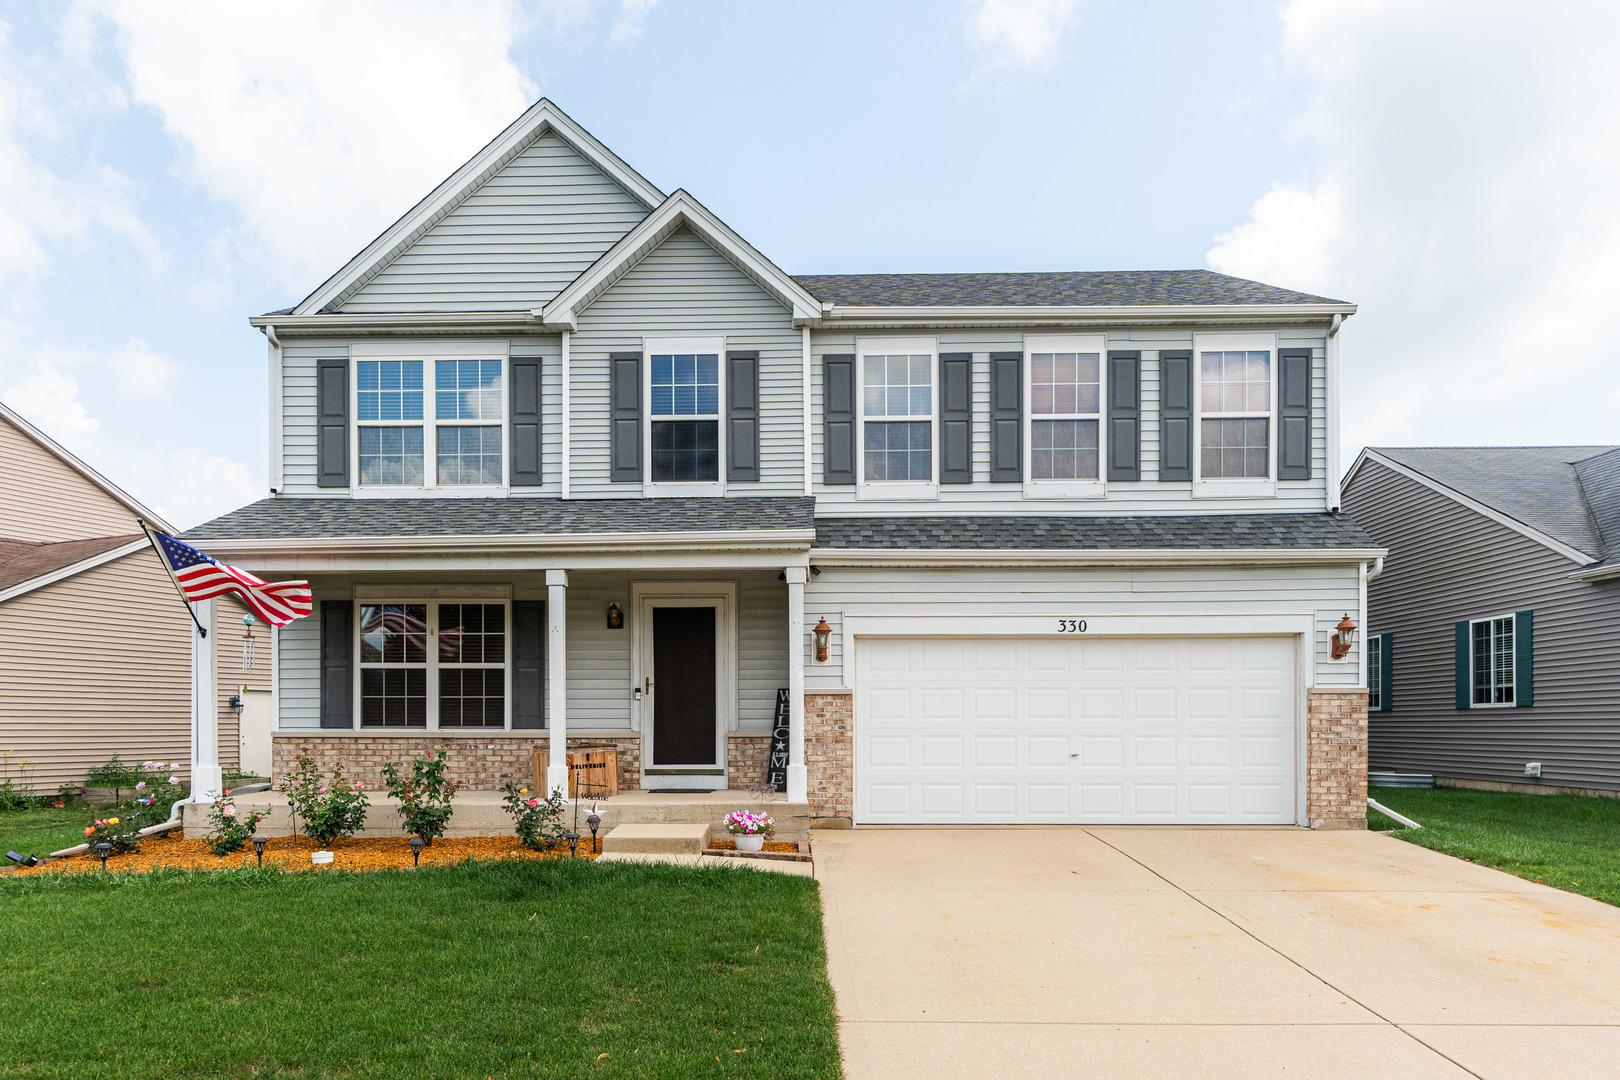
168,169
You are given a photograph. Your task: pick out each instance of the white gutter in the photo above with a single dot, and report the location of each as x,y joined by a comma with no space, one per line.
1334,492
1097,557
1597,573
566,422
808,471
275,408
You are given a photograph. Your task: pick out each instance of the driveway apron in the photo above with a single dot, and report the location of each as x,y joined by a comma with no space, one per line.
1160,952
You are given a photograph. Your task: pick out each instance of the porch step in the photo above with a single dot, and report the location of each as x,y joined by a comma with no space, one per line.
656,840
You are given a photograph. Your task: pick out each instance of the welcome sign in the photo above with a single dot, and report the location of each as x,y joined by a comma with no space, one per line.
776,773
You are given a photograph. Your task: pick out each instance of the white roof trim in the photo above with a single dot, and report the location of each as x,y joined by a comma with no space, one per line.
541,117
562,312
1527,531
1099,557
64,572
57,449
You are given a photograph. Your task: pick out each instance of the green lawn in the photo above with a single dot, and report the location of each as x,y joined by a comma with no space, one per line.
553,969
1568,841
40,832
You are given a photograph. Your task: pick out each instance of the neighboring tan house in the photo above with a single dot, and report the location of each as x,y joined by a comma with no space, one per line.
566,459
95,645
1491,629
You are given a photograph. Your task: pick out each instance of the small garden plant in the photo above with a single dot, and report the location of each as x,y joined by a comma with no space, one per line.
114,774
424,796
232,828
16,793
122,831
744,823
538,821
330,808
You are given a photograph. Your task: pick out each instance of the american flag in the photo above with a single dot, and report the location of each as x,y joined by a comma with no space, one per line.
202,577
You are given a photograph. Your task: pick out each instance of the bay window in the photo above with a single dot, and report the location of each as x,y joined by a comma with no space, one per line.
432,665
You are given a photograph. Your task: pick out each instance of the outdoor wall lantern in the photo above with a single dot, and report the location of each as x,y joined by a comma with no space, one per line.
416,851
102,851
823,634
615,617
236,704
1343,636
258,847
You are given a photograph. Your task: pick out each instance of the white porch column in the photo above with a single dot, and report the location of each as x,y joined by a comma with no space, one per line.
557,680
206,775
798,776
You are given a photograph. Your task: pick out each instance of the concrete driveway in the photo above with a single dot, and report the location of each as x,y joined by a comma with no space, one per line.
1156,952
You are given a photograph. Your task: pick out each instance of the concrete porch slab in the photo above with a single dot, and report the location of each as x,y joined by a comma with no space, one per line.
659,839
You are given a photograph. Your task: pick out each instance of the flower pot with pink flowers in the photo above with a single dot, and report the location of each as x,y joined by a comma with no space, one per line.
750,830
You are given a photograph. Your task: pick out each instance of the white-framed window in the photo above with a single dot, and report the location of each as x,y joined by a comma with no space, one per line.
1375,672
685,434
432,665
430,416
1064,391
1491,658
1235,404
899,437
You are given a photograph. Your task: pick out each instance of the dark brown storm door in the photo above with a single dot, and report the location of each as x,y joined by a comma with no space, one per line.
683,686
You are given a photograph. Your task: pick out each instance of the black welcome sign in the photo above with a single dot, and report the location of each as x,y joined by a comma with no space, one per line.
776,774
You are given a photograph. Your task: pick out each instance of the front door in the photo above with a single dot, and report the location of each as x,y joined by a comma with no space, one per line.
683,689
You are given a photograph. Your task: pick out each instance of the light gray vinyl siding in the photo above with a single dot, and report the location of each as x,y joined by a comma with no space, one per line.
1446,564
298,674
686,288
1147,496
843,592
513,244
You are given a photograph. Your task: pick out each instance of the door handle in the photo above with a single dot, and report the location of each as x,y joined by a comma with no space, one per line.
647,685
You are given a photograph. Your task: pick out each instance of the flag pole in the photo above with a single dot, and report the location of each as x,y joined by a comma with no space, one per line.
159,551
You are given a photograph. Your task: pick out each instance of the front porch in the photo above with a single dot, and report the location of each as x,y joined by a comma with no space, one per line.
480,813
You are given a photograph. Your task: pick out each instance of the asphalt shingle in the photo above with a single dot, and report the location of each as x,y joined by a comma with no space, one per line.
1211,531
1079,288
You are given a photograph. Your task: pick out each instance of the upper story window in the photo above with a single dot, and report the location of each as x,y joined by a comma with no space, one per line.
1064,392
897,417
1492,660
1236,389
451,436
684,435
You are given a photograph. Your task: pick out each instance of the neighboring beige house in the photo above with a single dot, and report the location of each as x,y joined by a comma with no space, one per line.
95,646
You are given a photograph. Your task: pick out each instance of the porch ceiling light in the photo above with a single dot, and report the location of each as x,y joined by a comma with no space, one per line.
1343,636
823,634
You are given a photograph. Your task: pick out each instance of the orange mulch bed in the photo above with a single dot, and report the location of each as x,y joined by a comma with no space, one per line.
787,847
387,853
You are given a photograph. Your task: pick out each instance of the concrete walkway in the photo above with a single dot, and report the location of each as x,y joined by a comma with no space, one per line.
1149,952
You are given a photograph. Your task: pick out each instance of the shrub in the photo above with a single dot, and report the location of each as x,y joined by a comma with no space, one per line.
232,828
114,774
424,796
538,821
330,809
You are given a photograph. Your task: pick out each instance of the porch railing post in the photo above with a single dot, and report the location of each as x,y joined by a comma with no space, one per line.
557,680
798,776
206,775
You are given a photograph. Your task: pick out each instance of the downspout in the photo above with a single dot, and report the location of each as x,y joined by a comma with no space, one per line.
1331,351
1361,651
805,392
564,457
275,410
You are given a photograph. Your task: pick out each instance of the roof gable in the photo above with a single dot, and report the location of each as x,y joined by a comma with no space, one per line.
541,119
679,211
1599,476
34,464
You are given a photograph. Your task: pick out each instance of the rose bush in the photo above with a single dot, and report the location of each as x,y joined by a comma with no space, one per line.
424,796
538,822
232,828
330,809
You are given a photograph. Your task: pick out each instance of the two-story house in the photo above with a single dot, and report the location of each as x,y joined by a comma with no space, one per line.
566,459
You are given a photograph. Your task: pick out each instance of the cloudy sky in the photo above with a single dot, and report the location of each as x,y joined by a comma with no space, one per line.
167,169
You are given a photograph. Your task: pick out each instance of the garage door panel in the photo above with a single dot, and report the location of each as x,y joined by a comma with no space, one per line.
1075,730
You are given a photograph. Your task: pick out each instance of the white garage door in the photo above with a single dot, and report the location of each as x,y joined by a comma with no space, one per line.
1147,730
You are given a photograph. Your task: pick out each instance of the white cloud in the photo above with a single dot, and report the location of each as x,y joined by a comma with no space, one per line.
133,366
49,399
321,122
1014,34
191,485
1464,189
632,20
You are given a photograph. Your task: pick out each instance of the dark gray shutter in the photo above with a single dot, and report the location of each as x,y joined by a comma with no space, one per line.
1006,416
1465,692
1124,416
1524,646
838,419
528,664
1293,414
1175,414
1386,672
956,418
624,417
337,664
525,469
742,416
332,421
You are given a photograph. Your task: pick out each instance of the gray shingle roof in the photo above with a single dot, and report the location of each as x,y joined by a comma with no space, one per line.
1048,289
1212,531
1599,476
1534,485
300,518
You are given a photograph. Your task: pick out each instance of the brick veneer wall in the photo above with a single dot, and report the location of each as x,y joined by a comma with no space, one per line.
829,751
747,759
1336,759
472,763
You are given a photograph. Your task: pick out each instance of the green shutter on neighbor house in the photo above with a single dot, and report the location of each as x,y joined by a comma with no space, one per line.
1524,690
1386,672
1464,689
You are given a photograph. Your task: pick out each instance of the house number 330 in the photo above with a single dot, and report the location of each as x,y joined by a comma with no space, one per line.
1071,626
